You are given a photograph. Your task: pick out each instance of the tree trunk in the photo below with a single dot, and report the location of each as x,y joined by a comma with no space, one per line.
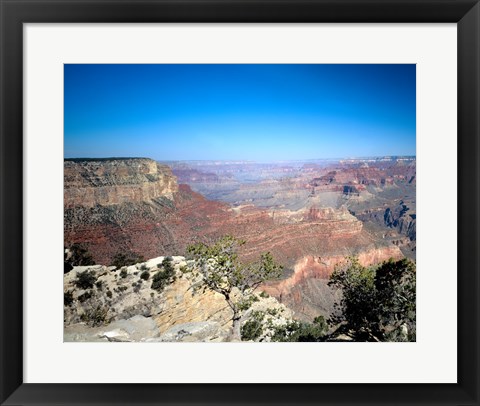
237,320
236,332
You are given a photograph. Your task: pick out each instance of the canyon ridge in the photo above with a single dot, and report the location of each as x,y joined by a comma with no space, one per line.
311,216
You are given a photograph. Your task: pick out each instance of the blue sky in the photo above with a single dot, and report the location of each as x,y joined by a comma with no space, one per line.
248,112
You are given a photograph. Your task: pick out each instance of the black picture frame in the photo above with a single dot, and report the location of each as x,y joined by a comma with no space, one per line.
14,13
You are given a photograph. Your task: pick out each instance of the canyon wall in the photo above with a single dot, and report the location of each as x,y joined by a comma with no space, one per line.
119,206
306,291
90,182
113,206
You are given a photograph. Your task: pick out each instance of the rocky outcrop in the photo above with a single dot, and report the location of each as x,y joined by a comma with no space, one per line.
136,328
189,302
120,305
400,218
104,182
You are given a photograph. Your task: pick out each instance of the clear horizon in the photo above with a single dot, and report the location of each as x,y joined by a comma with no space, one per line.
260,113
240,159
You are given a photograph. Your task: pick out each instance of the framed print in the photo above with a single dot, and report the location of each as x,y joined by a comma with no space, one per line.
239,187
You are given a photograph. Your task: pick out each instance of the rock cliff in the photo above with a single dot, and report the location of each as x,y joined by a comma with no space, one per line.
91,182
108,304
136,205
306,290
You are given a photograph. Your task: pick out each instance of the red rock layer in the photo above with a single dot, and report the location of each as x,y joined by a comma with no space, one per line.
161,218
306,291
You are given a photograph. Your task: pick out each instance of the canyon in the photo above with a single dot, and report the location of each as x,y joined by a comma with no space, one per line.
309,215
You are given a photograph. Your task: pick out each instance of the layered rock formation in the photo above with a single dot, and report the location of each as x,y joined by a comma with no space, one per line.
117,206
121,305
148,213
113,206
306,291
91,182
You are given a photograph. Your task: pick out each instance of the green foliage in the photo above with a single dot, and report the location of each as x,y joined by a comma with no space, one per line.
293,331
247,302
95,315
123,273
378,303
396,291
301,332
358,304
264,295
163,277
126,259
109,294
85,280
99,285
85,296
77,255
252,329
315,331
286,333
222,270
68,298
167,264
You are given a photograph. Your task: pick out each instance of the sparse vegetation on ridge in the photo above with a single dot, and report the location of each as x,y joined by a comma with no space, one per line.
127,258
377,303
85,280
164,276
224,273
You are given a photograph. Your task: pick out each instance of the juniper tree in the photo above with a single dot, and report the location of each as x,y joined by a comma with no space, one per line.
378,303
224,273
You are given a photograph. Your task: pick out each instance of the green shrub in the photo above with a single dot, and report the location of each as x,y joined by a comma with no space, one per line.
77,255
301,332
85,296
85,280
99,285
252,329
95,316
123,273
167,264
378,303
68,298
145,275
126,259
109,294
163,278
247,302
